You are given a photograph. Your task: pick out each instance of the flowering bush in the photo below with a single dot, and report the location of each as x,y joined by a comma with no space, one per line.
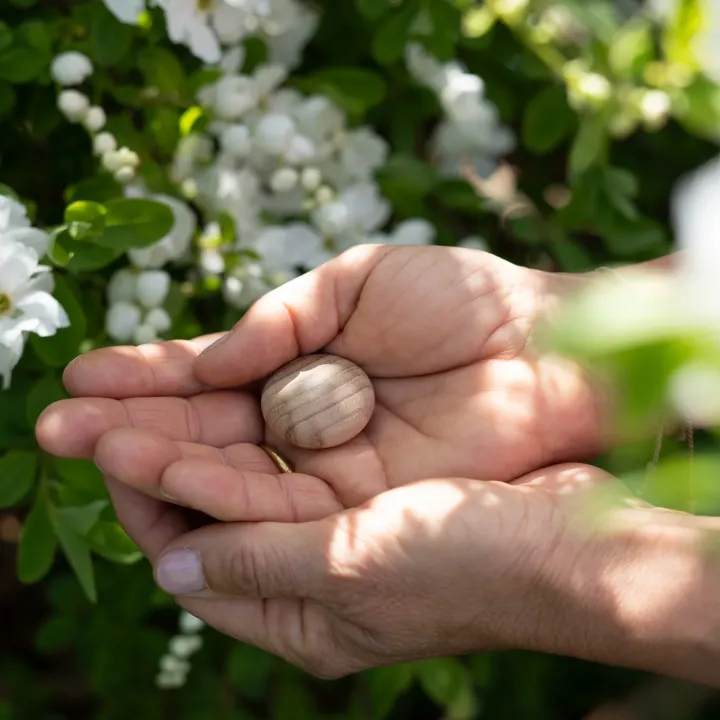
165,163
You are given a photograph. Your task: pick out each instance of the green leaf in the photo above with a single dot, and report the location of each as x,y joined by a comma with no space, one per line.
38,543
547,121
7,98
83,519
385,685
686,20
6,36
632,48
392,36
87,257
590,144
21,65
109,540
354,89
98,189
194,119
85,219
37,36
135,223
76,550
44,392
624,237
248,669
373,9
442,679
162,70
111,39
17,476
59,349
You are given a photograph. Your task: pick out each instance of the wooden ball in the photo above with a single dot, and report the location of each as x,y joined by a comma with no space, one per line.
318,401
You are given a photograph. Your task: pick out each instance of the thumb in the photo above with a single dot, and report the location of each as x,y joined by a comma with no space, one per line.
264,560
300,317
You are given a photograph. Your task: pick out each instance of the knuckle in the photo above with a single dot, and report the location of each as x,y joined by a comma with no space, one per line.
244,570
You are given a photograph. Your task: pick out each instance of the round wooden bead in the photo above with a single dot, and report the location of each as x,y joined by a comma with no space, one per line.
318,401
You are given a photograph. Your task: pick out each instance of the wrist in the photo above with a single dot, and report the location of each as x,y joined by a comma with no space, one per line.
642,594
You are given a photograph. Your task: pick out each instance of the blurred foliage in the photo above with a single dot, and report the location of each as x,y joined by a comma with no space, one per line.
594,170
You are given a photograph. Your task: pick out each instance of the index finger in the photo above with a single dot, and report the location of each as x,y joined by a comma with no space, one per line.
155,370
300,317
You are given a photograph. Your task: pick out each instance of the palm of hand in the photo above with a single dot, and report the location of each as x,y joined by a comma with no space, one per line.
443,335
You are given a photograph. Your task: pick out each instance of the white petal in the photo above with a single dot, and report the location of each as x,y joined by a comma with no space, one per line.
48,313
204,44
17,264
12,214
35,238
126,11
121,321
152,288
10,355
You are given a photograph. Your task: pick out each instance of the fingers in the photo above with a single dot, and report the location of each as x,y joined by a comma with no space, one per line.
149,523
239,483
71,428
265,560
151,370
297,318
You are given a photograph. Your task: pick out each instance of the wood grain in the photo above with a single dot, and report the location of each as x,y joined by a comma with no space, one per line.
318,401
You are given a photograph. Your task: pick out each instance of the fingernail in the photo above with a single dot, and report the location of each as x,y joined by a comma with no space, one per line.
99,466
179,572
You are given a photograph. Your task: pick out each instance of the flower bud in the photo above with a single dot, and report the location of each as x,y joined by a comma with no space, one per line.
103,143
189,623
73,105
310,178
95,119
274,133
183,646
159,319
144,335
71,68
284,180
152,288
235,140
122,287
122,320
124,175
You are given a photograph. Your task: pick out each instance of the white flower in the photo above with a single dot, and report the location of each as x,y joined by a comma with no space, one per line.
159,320
73,105
15,227
171,664
118,159
310,178
175,244
144,334
122,287
300,150
189,623
284,179
188,24
357,211
103,143
126,11
152,288
234,95
211,261
122,320
362,153
26,303
413,232
285,248
235,140
244,285
274,133
183,646
474,242
95,119
71,68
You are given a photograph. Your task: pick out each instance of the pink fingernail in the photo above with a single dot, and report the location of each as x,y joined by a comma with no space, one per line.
179,572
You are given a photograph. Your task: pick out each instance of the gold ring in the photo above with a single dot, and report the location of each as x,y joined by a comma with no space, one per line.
280,463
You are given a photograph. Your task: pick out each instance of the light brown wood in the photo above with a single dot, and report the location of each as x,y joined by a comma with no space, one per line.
318,401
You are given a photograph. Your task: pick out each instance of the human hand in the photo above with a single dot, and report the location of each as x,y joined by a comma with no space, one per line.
446,567
442,332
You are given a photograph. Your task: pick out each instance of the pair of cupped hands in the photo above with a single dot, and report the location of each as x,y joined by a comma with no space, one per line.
445,527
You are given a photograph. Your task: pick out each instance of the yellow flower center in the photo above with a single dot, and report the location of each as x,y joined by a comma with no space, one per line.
205,4
5,304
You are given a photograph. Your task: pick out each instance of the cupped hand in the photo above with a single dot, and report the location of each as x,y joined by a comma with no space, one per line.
444,334
434,568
